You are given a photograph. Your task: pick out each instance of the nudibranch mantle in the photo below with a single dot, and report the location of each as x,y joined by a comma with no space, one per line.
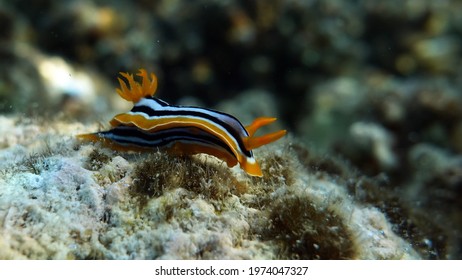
185,130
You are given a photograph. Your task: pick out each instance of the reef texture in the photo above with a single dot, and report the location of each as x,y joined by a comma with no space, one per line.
369,91
66,200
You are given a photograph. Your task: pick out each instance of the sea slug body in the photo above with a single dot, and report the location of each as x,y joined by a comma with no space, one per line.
153,123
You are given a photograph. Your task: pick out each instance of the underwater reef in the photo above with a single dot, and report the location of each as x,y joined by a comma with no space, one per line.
369,92
70,200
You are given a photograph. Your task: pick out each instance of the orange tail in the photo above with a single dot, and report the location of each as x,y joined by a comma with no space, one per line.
92,137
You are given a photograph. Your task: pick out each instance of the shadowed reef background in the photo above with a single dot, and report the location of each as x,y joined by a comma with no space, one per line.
370,92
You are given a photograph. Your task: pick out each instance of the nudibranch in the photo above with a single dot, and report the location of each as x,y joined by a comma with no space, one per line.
185,130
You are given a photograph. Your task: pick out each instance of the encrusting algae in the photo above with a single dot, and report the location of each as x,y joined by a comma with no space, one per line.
108,205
